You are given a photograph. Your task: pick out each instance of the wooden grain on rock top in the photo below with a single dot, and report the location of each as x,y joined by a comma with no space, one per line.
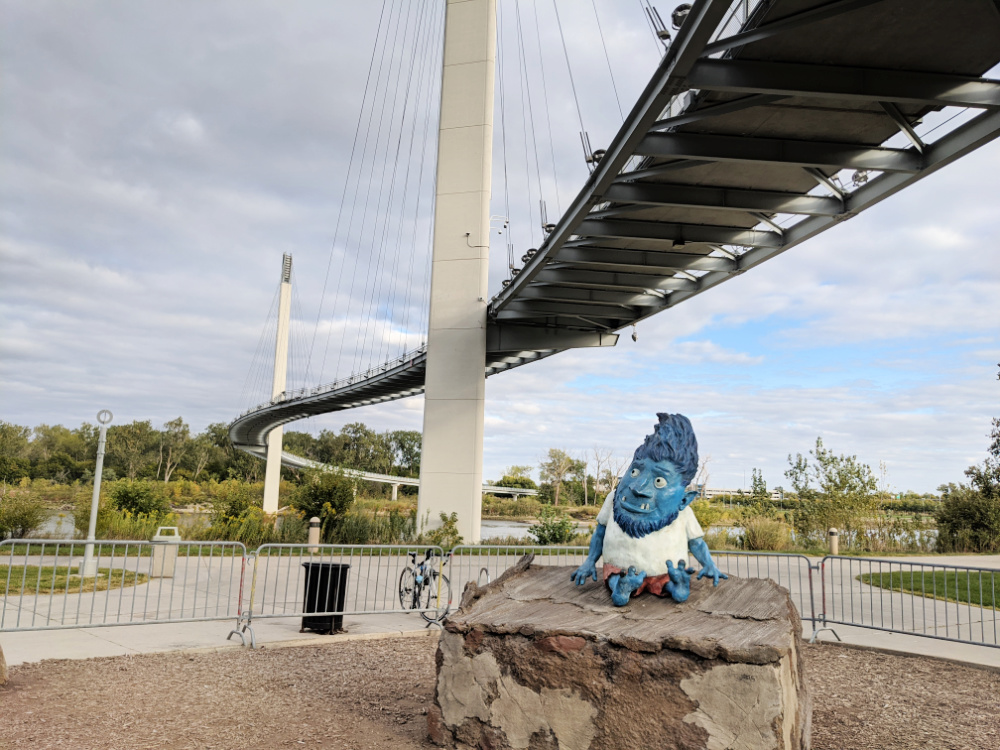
742,620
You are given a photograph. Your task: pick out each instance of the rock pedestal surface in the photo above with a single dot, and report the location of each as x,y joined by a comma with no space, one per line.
531,661
3,668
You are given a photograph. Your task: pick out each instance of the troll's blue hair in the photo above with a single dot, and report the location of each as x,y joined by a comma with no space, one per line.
672,440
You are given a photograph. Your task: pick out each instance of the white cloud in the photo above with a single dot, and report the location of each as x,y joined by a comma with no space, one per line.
153,170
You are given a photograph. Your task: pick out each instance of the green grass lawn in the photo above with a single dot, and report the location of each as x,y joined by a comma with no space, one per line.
950,585
32,579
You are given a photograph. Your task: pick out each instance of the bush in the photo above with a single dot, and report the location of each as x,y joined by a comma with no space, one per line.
446,535
706,513
968,521
723,538
969,517
21,513
552,527
371,527
762,534
327,495
500,507
138,497
233,498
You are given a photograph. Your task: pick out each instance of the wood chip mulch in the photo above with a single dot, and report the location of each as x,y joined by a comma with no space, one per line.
374,694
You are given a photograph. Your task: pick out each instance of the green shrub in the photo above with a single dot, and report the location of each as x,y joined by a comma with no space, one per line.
553,527
968,521
233,498
371,527
765,534
21,513
121,524
503,507
138,497
723,538
446,535
327,495
706,512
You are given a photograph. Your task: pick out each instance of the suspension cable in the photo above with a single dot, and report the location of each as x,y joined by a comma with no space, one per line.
343,197
354,196
417,69
545,98
531,116
608,60
562,37
503,139
368,189
253,372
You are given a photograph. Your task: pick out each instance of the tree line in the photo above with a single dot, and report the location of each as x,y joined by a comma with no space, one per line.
138,450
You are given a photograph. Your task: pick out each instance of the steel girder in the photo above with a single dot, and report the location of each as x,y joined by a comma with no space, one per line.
716,168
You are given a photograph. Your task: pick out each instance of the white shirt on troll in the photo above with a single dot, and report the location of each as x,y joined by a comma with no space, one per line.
651,552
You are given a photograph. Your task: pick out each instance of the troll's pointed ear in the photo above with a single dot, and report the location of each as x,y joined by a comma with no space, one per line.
689,497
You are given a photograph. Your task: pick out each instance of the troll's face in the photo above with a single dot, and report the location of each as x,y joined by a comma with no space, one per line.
649,496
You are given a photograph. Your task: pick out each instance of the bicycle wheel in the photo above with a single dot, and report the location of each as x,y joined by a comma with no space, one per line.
436,595
409,592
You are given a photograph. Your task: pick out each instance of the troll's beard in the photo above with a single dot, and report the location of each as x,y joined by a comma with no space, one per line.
637,528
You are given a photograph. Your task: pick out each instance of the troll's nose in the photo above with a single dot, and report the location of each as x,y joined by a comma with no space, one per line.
642,488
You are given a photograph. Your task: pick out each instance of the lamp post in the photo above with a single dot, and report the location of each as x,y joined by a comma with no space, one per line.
88,568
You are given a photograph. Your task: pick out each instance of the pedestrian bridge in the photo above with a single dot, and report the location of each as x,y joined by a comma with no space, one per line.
764,125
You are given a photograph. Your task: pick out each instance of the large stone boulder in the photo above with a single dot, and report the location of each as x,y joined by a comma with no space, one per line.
531,661
4,676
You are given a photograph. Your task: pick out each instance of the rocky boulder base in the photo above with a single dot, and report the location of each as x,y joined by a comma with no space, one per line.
4,676
531,661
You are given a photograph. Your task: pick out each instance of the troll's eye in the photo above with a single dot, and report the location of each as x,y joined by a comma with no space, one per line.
635,472
660,482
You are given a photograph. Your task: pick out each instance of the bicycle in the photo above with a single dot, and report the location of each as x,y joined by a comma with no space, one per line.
422,586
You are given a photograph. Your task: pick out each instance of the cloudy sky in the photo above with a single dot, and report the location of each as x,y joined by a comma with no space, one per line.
156,159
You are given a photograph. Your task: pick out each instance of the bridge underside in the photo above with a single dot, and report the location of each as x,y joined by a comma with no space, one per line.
754,135
736,152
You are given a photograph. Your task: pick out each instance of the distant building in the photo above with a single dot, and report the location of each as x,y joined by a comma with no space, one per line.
709,492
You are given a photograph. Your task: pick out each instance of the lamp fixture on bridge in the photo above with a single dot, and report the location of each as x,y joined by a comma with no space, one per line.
680,14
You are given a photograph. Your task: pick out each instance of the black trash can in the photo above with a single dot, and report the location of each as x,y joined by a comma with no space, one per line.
325,591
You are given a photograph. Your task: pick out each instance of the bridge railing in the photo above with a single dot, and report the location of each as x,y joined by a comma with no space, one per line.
371,372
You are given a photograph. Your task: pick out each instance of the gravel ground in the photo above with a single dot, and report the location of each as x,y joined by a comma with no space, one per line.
374,694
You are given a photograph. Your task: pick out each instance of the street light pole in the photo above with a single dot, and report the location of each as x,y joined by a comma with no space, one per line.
88,568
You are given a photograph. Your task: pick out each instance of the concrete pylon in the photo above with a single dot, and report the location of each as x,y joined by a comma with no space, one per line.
451,463
272,475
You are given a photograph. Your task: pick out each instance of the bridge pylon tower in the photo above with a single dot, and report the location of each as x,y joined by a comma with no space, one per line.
272,474
451,465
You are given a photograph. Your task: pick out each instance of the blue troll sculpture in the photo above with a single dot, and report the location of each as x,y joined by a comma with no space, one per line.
646,522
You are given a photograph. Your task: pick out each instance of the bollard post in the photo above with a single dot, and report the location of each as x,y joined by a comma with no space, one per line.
313,534
834,542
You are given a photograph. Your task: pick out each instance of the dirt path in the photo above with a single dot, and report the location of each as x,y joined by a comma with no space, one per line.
373,694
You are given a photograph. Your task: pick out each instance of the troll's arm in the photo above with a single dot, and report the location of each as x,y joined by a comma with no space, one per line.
589,567
699,549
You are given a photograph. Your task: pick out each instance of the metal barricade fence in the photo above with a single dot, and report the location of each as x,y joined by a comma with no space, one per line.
377,580
793,572
947,602
134,582
484,563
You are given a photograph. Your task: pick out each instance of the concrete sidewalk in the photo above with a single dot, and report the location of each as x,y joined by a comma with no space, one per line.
86,643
